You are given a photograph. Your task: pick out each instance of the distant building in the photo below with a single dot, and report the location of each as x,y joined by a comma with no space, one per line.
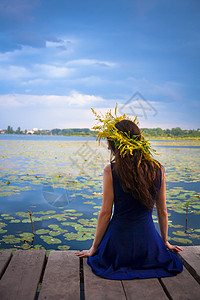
30,132
35,129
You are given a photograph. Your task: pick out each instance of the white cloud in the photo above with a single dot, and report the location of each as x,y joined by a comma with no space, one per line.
50,44
52,71
72,111
93,81
39,71
35,82
14,73
74,99
53,48
70,118
18,53
60,43
91,62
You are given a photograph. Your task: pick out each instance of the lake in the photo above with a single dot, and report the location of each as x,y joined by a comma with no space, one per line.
58,180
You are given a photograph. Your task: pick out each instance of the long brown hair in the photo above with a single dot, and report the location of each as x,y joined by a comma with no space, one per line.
139,182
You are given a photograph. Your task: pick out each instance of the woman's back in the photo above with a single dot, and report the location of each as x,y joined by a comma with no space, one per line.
131,247
125,203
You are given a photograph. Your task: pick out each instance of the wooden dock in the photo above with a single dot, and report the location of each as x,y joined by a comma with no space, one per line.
31,275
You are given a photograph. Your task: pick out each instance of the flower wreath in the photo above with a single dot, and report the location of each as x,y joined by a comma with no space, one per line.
123,141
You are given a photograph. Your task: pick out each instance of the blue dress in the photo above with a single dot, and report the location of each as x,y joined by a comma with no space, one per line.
131,246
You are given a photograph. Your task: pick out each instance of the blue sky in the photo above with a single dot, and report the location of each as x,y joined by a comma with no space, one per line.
60,58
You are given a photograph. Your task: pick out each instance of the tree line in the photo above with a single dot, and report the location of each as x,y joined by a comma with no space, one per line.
148,132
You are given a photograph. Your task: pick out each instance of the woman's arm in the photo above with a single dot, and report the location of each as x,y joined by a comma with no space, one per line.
105,213
162,214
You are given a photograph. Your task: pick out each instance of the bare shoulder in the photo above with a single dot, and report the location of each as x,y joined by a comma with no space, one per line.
107,169
162,167
162,170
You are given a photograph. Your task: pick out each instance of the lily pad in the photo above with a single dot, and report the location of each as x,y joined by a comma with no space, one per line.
50,240
70,236
15,221
89,202
55,233
175,226
65,247
88,222
25,246
181,240
11,239
42,231
2,224
38,247
181,233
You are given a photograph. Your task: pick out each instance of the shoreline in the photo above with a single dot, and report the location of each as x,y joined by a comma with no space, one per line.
86,136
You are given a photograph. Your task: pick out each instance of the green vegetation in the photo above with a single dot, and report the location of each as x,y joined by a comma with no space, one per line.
73,131
55,131
176,132
157,133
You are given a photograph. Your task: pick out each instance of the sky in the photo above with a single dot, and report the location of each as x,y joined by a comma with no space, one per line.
60,58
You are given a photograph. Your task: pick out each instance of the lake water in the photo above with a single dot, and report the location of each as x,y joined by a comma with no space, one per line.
59,180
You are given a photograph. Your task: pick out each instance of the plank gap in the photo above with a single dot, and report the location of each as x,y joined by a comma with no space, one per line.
41,279
124,290
165,289
190,269
5,266
82,292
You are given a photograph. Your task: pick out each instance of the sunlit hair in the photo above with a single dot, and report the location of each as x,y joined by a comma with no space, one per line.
141,182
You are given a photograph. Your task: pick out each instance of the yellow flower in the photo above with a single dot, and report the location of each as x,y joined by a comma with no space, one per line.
123,141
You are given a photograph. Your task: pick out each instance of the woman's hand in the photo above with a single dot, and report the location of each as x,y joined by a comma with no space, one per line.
173,248
86,253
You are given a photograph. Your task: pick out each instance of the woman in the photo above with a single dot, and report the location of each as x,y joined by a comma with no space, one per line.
128,246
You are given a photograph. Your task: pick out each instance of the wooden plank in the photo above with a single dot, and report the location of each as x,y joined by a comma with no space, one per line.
144,289
22,275
61,277
5,257
191,260
99,288
182,286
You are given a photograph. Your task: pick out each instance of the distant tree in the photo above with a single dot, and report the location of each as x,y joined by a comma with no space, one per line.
9,129
18,131
168,132
56,131
177,131
159,131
